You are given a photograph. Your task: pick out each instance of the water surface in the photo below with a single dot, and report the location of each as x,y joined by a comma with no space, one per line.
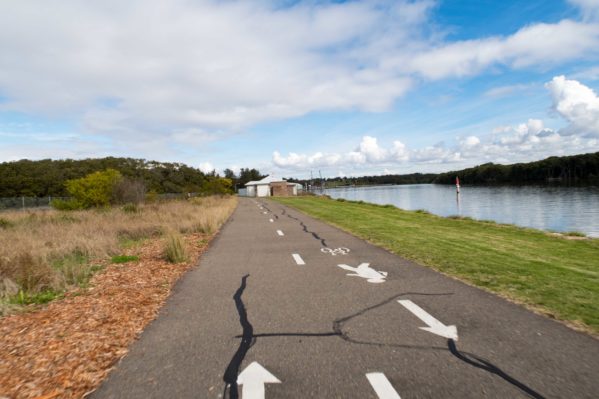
557,208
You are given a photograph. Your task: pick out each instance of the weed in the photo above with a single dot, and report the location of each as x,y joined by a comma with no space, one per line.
24,298
74,268
66,218
174,250
124,258
130,208
5,223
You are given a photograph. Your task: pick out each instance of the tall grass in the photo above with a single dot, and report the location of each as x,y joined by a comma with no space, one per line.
49,250
174,249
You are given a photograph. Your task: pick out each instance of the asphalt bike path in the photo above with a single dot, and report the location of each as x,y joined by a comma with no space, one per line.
285,306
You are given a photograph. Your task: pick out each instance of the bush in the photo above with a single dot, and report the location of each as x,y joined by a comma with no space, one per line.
129,191
66,205
95,189
175,250
152,196
130,208
5,223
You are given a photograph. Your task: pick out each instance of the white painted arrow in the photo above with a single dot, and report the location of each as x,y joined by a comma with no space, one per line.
434,325
253,379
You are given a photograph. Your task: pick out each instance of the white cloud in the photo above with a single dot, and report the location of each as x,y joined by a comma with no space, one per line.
194,71
576,103
589,8
506,90
206,167
159,68
531,140
538,44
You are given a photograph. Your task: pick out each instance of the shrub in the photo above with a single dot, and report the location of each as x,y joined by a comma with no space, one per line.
5,223
152,196
175,250
66,205
73,268
30,272
130,208
95,189
217,185
129,191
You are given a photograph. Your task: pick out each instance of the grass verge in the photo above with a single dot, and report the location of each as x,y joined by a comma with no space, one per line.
49,252
65,348
556,276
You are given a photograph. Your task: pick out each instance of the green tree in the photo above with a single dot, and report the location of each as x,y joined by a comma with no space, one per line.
95,189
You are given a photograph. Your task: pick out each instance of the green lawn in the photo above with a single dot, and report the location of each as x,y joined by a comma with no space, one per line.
556,275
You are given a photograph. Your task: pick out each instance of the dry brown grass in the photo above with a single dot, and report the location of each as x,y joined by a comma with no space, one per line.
42,250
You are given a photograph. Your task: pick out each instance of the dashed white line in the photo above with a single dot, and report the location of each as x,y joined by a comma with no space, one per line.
271,220
279,232
382,386
298,259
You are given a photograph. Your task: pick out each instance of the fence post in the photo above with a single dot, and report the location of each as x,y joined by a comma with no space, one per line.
23,201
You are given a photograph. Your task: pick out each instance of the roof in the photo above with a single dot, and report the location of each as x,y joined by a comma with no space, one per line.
265,181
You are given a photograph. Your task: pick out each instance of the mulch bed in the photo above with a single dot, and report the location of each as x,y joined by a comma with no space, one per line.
66,349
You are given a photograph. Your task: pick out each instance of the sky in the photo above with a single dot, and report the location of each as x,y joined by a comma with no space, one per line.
342,88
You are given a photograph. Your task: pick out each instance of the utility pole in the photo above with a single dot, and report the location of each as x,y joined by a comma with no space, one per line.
321,182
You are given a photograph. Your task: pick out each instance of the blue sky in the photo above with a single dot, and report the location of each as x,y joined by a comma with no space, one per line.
347,88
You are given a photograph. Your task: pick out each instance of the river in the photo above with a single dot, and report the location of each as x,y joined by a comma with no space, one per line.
554,208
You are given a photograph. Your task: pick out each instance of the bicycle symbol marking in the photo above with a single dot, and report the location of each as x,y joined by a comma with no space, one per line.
336,251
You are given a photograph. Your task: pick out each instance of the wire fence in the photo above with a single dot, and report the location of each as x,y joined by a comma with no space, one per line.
16,203
26,202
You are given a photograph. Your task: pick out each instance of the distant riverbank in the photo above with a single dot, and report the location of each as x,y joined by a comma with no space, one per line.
554,275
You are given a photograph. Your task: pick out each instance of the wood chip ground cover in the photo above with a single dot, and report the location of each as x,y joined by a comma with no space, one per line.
65,349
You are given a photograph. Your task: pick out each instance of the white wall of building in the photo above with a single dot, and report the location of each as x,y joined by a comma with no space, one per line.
263,190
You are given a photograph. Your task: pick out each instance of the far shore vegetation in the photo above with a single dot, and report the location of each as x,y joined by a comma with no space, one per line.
555,274
574,169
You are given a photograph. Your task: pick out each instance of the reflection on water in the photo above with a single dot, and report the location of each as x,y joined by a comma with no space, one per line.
555,208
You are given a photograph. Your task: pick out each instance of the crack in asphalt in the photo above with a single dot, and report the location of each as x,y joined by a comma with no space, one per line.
466,357
314,234
247,341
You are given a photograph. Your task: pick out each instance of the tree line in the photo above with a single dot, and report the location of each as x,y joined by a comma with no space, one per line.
583,168
414,178
47,178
